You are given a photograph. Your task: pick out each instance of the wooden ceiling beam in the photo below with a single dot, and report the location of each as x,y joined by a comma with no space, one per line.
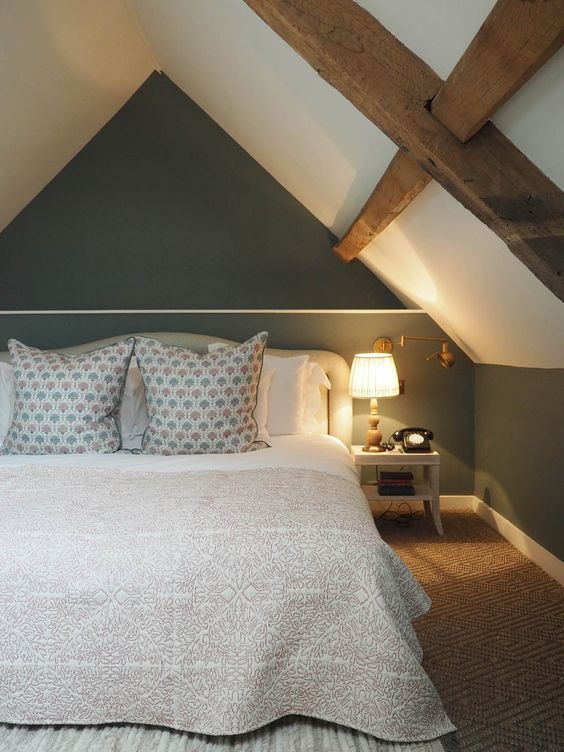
398,186
392,87
513,43
515,40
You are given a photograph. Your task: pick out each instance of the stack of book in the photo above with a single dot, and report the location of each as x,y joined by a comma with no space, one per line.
396,484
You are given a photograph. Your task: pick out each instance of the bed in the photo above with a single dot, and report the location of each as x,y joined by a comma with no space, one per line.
208,593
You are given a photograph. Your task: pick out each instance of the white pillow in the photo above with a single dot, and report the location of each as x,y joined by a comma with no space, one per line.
286,400
7,392
260,413
294,398
315,378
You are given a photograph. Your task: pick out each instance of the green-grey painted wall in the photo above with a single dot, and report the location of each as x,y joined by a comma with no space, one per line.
519,455
162,209
434,397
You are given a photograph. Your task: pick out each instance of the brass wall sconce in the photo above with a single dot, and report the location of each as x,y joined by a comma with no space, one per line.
444,355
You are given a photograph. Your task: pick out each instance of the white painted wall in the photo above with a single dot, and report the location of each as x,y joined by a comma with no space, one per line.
66,66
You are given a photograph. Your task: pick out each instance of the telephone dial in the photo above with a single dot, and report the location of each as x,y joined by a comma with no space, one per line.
414,439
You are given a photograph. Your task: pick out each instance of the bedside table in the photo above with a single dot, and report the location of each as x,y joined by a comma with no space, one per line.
427,493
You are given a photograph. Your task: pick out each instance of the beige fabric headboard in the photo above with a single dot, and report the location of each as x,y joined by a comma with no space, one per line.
335,415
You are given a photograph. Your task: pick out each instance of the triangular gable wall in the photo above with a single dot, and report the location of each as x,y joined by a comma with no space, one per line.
163,210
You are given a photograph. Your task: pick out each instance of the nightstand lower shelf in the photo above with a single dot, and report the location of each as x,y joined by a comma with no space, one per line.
422,493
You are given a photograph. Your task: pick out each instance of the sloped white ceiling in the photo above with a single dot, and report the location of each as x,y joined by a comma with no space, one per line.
438,31
66,66
436,255
534,119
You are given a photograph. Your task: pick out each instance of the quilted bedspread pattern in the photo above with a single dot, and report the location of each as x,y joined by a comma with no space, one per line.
212,602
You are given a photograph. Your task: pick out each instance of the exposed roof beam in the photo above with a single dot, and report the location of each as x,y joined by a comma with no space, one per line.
390,85
398,186
513,43
515,40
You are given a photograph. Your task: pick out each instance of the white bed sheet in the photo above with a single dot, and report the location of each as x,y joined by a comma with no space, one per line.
324,453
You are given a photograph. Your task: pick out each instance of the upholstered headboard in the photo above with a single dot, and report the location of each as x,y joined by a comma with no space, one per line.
335,415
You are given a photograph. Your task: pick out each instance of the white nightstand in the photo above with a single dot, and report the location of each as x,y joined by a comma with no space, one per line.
428,493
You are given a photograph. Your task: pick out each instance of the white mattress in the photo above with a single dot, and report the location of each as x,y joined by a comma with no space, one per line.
325,454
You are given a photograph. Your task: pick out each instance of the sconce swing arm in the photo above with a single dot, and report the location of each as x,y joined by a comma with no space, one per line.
444,356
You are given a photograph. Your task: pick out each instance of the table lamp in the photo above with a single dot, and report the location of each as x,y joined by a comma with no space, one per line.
373,375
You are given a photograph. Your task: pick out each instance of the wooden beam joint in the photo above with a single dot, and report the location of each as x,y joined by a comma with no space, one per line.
403,180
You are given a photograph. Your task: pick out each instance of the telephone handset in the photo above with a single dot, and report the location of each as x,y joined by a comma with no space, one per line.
414,439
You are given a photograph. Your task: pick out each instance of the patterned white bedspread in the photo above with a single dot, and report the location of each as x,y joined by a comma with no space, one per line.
211,601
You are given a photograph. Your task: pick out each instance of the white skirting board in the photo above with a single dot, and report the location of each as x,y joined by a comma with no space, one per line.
547,561
532,550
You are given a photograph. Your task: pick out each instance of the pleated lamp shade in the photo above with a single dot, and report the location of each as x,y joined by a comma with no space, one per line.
373,375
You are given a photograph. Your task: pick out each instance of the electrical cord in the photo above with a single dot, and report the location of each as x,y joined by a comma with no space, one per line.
401,518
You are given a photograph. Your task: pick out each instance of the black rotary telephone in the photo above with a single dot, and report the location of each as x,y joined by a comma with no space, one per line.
414,439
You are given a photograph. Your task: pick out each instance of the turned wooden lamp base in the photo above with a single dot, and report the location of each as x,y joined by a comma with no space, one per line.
373,435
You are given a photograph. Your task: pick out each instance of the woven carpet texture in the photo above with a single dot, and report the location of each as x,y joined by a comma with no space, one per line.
493,641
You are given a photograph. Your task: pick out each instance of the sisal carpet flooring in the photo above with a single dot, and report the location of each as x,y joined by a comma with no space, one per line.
493,641
493,644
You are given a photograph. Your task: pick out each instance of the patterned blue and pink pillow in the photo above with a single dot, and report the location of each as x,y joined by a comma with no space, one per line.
200,403
66,404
